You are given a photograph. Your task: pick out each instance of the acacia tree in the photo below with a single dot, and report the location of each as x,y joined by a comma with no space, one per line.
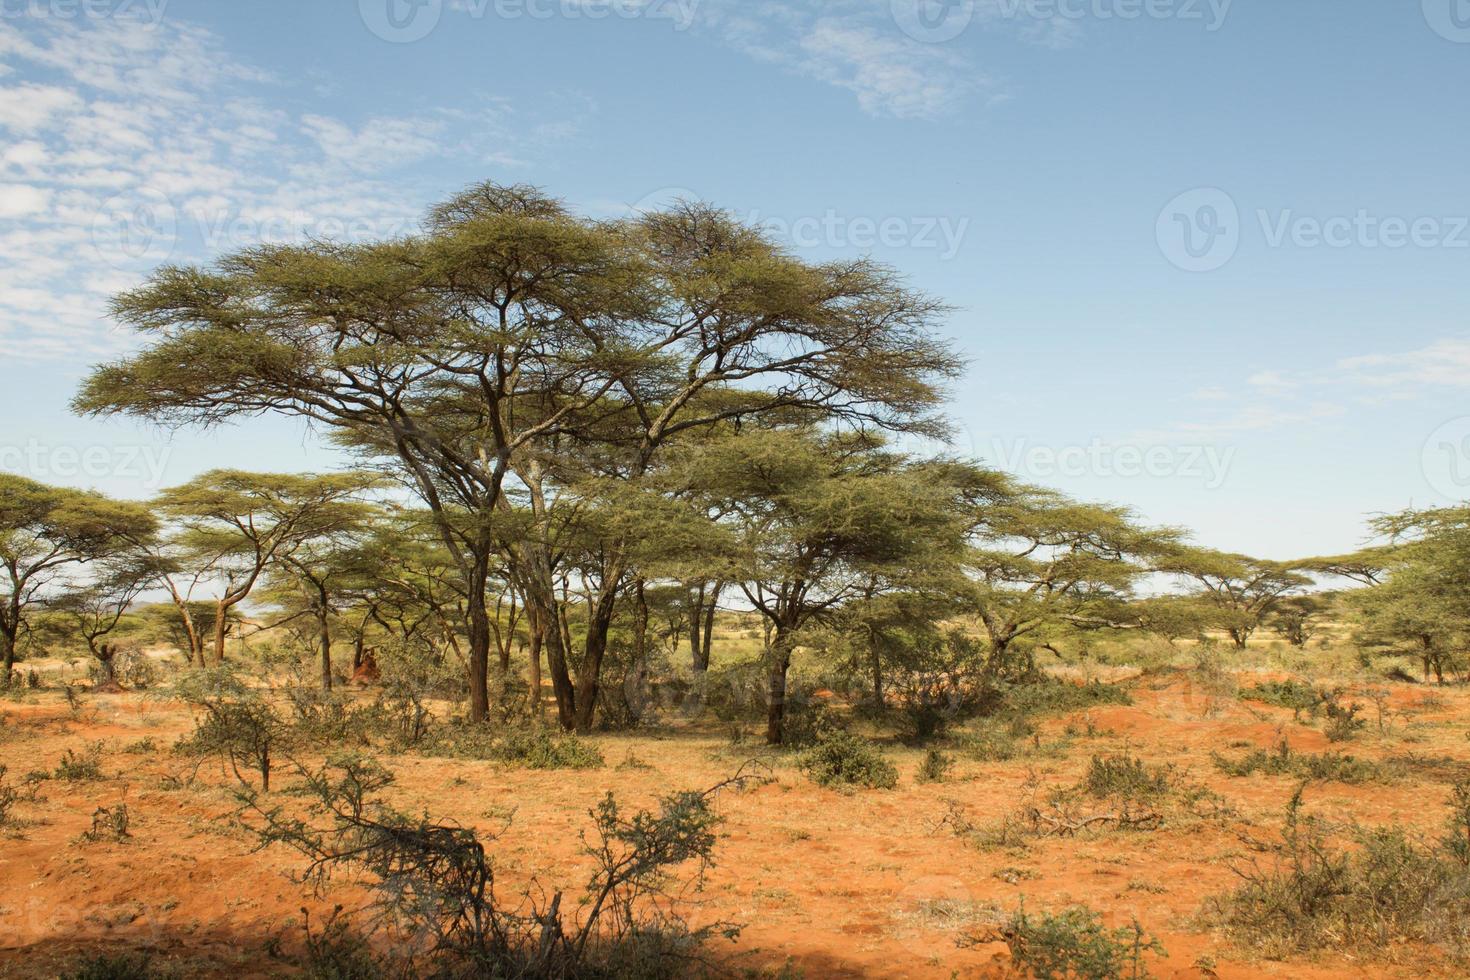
327,561
1244,591
47,532
463,352
233,525
96,608
1041,564
819,519
1423,599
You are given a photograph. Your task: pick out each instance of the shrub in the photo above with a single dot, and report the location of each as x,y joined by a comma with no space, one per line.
1052,696
1074,944
1291,694
531,747
1388,889
74,768
841,758
935,767
1126,776
112,967
1342,721
110,824
1285,761
433,886
338,951
244,731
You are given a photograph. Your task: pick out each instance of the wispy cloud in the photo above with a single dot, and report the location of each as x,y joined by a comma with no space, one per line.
124,144
855,45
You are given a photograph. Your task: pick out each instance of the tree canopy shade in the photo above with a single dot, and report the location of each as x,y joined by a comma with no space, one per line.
463,353
46,532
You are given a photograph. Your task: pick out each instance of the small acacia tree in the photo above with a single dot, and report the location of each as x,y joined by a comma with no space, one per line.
233,525
1041,564
1423,600
820,520
1244,591
45,534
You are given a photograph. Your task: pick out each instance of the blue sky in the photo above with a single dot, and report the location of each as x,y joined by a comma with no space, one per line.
1208,258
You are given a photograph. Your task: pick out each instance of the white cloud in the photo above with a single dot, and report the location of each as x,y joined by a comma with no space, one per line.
152,143
20,200
29,108
852,44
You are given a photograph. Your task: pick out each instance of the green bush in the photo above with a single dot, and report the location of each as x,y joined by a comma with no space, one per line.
1291,694
1052,696
530,747
1286,761
82,768
1387,889
1126,776
841,758
935,767
1075,945
112,967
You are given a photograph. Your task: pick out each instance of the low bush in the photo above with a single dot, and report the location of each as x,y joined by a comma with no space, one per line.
80,768
1074,945
1286,761
840,758
935,767
1388,888
432,886
531,747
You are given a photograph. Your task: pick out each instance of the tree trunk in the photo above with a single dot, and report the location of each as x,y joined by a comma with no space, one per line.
776,692
477,620
876,656
534,682
220,628
106,657
324,638
696,628
710,608
547,631
599,620
7,650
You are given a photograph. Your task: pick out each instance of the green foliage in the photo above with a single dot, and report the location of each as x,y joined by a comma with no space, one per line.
1075,945
1126,776
840,758
1286,761
113,966
935,767
1047,696
1291,694
80,768
531,747
1389,888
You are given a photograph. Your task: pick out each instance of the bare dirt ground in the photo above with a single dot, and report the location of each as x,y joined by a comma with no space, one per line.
870,883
